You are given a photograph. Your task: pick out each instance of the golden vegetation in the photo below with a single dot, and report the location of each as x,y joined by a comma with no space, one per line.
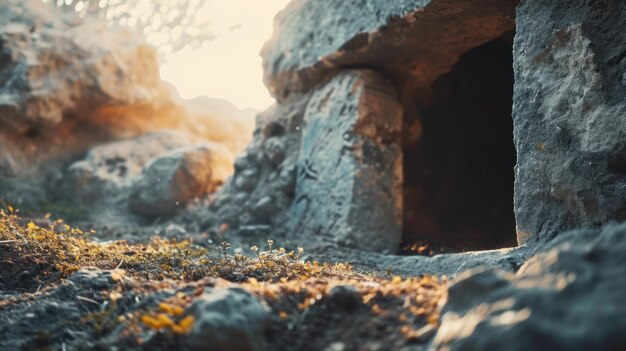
50,253
298,293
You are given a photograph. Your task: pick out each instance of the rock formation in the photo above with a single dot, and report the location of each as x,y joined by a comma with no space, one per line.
71,86
445,169
228,319
477,124
457,90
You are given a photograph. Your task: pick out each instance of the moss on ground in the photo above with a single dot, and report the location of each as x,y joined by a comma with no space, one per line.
32,256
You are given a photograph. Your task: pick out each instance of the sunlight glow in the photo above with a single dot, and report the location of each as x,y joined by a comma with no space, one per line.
228,67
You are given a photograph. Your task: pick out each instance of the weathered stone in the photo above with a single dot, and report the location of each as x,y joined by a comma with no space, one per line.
415,40
62,93
569,108
567,297
246,180
110,169
316,41
264,208
349,185
257,178
170,180
228,319
92,279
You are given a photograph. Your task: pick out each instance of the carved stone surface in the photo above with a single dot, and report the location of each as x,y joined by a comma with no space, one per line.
349,171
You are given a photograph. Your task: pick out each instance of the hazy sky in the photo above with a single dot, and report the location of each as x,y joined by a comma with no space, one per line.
228,67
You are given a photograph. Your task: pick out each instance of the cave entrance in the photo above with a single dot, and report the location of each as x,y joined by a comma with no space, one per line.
458,192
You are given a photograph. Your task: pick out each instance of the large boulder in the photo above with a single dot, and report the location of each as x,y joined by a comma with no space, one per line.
349,169
172,179
567,297
569,108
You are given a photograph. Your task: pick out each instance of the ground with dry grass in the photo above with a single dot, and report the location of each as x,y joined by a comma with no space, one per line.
64,290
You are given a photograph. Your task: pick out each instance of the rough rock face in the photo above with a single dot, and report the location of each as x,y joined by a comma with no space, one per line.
349,169
172,179
569,110
258,196
414,38
567,297
228,319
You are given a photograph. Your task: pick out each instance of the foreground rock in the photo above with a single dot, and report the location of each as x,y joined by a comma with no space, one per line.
567,297
568,114
228,319
172,179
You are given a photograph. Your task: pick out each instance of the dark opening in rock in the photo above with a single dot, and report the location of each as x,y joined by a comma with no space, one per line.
459,176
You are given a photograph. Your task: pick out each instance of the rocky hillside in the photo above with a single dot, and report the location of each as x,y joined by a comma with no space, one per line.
81,117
